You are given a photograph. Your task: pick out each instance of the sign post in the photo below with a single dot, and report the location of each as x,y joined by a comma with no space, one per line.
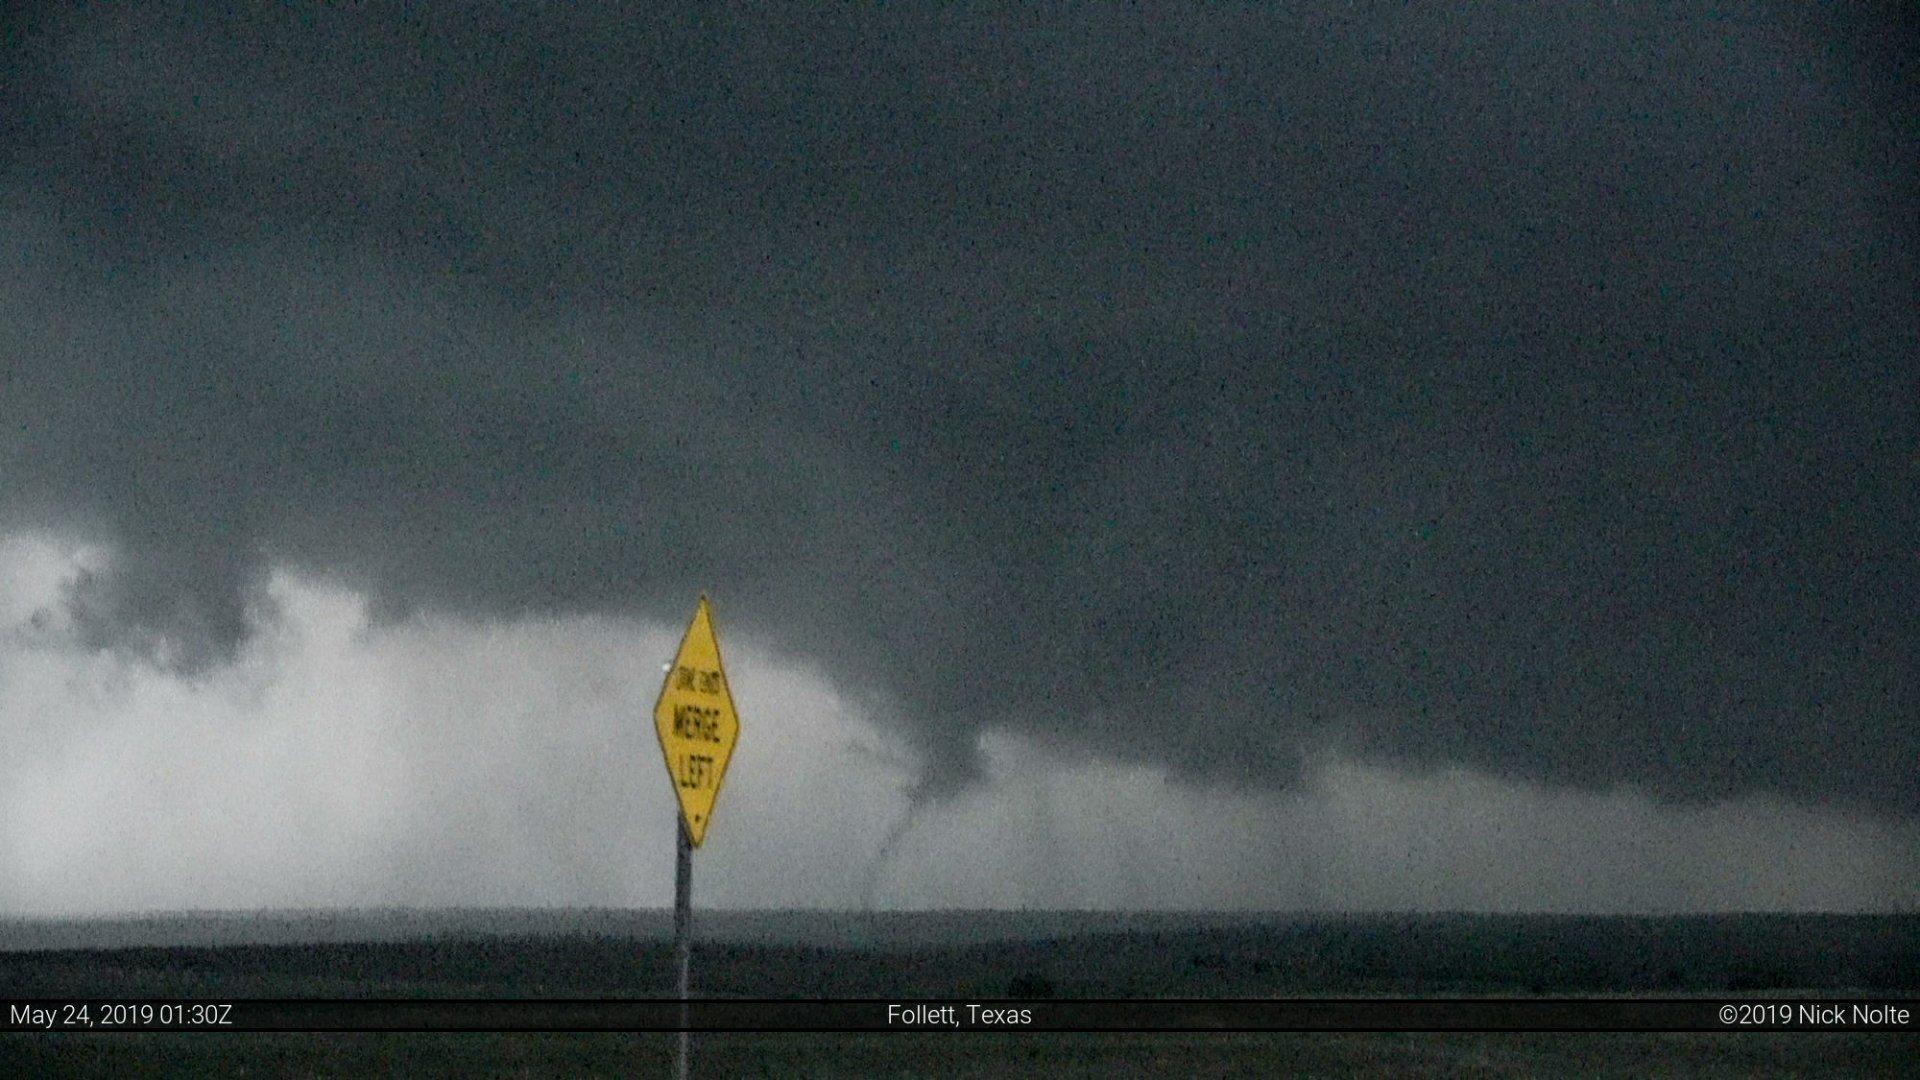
698,727
683,939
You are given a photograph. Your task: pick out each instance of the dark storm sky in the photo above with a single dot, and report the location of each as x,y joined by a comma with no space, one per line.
1512,386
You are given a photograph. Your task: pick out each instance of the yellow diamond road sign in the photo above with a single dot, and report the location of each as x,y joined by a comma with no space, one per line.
696,722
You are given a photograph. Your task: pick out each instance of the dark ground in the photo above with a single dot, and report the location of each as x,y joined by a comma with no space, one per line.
1735,956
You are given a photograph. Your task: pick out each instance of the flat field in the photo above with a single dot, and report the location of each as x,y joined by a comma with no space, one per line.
1399,956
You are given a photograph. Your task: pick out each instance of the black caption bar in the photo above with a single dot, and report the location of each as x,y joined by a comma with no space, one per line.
1187,1015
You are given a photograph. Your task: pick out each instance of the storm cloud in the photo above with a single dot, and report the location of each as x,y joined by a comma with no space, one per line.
1524,390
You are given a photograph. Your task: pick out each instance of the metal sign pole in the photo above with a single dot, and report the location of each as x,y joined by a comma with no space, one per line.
683,937
698,726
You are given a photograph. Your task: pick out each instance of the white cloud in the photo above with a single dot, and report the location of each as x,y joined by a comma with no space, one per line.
448,762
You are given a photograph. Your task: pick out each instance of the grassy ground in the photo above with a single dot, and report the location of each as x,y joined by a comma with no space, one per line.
1856,957
1054,1056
